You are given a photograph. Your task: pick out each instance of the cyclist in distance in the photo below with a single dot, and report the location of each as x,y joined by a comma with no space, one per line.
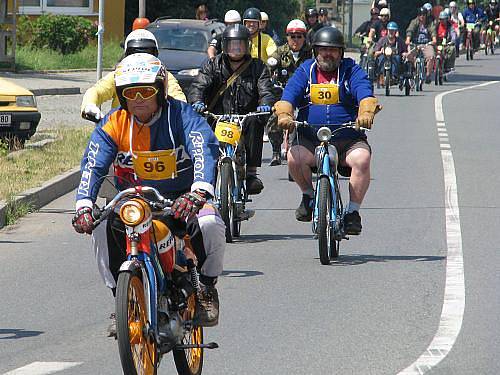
398,46
262,45
445,31
475,15
149,124
312,23
350,99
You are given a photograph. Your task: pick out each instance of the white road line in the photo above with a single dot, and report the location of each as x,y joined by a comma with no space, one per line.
43,368
452,313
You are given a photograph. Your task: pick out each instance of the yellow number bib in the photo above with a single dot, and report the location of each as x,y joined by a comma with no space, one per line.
324,93
228,132
155,165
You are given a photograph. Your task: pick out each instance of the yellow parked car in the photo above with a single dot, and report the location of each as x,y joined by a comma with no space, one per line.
19,116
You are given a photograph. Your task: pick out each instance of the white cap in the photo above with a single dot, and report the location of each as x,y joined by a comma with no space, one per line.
140,34
453,4
385,12
264,16
232,16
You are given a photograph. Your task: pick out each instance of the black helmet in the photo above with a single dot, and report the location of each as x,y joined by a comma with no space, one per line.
328,36
323,12
311,12
421,11
235,32
252,14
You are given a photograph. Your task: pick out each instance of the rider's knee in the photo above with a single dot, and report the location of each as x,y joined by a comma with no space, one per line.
359,160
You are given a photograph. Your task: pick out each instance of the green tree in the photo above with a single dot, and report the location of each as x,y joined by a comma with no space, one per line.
280,11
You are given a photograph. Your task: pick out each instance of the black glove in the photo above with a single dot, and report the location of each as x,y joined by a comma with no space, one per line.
189,204
83,221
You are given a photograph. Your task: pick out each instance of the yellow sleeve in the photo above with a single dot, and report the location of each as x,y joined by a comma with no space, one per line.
174,90
270,47
101,92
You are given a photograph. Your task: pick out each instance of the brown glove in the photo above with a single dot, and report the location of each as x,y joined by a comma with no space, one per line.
284,111
368,107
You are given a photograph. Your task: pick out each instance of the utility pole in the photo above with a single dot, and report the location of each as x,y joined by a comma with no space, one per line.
142,8
100,34
351,11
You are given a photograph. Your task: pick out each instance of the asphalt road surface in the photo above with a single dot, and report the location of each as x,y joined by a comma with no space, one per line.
423,275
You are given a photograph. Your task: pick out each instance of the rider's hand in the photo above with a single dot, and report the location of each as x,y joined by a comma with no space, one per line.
199,107
83,221
368,107
284,111
263,108
189,204
92,112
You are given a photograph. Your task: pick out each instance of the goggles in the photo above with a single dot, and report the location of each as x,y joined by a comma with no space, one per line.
145,92
296,36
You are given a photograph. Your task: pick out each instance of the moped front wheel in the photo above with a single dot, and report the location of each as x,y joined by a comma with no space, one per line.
226,205
387,82
190,361
138,350
325,230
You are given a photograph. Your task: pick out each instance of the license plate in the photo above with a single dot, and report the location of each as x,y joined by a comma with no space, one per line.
5,120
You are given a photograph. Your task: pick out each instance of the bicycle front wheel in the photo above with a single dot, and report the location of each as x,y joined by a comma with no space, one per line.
325,230
226,204
190,361
138,351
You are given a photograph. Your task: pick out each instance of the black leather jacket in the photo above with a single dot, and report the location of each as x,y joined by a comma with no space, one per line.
252,88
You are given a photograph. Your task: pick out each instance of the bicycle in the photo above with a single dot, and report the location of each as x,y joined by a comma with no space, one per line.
439,73
156,288
230,191
420,68
469,50
491,36
328,210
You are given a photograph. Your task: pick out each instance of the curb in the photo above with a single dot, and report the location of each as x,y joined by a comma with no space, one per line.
49,191
57,91
55,71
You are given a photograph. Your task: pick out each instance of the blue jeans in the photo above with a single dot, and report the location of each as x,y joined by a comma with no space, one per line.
396,62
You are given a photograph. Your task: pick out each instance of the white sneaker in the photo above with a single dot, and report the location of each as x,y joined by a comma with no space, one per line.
265,138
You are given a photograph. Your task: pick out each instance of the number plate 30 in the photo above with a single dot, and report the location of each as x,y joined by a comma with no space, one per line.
228,132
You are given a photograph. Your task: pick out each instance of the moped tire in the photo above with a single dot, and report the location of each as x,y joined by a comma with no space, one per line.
325,230
407,87
387,82
131,327
190,361
226,204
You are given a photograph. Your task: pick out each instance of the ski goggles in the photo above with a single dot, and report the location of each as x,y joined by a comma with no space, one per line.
145,92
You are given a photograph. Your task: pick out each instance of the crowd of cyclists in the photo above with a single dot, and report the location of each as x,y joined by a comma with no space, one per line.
307,79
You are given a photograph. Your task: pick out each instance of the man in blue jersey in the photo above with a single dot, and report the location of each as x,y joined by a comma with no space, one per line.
350,99
149,125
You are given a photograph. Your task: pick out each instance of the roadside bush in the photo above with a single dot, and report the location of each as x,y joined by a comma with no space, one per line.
65,34
24,30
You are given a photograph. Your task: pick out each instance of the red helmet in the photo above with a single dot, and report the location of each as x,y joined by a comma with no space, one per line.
140,23
296,26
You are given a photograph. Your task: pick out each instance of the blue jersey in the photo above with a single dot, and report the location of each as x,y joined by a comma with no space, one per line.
473,16
180,132
354,86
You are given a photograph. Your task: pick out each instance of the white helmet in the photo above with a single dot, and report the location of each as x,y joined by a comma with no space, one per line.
382,2
264,16
232,16
140,69
141,36
296,26
385,12
453,4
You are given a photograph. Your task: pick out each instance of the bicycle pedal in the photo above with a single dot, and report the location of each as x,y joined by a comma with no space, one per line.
247,214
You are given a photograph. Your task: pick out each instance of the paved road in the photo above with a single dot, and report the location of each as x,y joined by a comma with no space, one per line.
374,311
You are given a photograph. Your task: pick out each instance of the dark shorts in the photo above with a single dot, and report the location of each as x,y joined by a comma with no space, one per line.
306,137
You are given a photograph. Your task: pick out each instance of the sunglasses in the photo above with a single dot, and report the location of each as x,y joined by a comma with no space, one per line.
296,36
145,92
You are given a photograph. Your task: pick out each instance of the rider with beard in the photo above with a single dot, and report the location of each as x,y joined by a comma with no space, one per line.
351,99
251,90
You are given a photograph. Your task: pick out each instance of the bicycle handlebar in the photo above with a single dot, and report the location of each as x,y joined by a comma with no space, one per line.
346,125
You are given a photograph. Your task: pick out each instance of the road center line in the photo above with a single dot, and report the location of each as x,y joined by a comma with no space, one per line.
452,313
43,368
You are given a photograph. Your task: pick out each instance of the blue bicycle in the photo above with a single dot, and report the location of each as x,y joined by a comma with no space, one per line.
328,213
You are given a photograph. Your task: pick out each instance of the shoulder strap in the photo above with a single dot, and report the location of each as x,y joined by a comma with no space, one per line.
228,83
259,44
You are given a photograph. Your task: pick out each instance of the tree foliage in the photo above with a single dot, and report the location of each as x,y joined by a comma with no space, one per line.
280,11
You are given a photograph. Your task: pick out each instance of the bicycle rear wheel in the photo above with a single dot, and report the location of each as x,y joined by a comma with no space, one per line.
325,230
138,351
190,361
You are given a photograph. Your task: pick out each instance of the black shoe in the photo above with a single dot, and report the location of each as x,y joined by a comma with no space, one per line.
428,79
254,185
276,160
207,307
352,223
112,326
305,210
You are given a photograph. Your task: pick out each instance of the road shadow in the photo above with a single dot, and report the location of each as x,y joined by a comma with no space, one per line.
56,211
241,273
257,238
357,259
17,333
12,242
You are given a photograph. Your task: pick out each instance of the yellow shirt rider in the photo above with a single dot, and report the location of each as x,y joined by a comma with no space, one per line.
252,19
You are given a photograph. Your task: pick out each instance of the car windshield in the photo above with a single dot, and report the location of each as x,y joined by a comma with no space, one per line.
182,38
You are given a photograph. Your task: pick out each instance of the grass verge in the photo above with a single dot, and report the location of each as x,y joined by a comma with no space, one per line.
28,58
30,168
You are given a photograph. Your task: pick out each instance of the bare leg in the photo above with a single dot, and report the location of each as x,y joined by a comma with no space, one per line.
359,161
300,161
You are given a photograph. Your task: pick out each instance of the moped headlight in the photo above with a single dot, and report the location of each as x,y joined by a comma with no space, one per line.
132,213
324,134
440,48
388,51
